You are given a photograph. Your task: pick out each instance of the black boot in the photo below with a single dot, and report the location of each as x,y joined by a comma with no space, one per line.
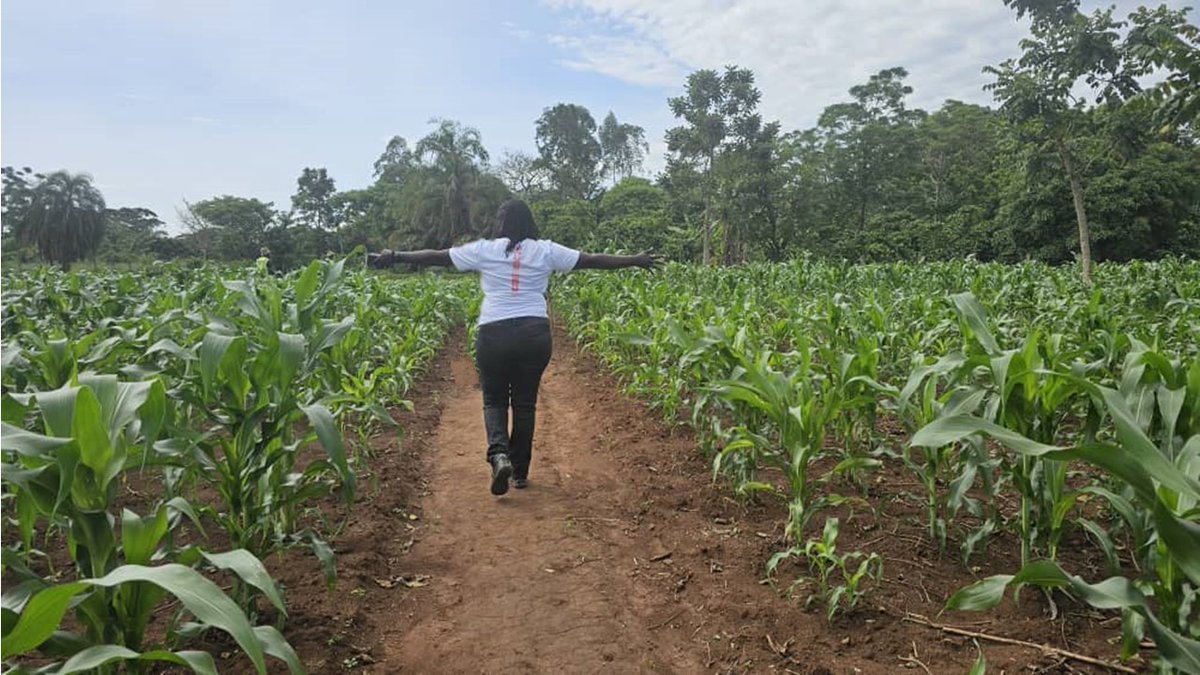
520,445
495,421
502,470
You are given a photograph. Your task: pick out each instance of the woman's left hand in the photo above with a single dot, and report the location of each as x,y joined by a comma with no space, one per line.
382,259
648,260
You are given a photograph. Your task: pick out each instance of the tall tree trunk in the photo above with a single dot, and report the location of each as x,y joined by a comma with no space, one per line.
706,250
706,237
1085,235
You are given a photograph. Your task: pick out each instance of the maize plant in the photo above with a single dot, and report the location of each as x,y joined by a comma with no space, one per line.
1162,481
67,477
222,374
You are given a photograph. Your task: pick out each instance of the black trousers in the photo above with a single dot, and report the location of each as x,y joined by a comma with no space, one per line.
511,356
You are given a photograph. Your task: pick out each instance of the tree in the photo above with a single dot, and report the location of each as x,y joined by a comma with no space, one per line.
452,157
718,109
871,155
312,204
566,142
132,234
446,194
1162,38
395,162
523,173
17,193
1038,90
623,147
235,228
64,218
199,234
633,217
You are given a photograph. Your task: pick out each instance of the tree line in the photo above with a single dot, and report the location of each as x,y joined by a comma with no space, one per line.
1076,160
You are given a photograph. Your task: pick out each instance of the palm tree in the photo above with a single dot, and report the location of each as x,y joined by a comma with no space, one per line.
455,154
65,219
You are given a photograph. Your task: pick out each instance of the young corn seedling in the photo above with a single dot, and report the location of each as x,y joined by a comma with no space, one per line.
838,582
797,409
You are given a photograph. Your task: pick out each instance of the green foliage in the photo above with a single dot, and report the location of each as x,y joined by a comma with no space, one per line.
837,581
61,214
783,368
569,150
66,476
622,147
313,204
185,375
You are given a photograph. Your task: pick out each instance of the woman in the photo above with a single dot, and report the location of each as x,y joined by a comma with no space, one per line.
513,344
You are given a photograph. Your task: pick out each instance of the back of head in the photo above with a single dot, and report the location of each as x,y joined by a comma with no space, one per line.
514,220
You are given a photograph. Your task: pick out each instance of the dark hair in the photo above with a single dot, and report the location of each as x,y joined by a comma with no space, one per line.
515,221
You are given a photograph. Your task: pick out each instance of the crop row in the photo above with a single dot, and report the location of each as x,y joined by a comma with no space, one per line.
232,382
1006,380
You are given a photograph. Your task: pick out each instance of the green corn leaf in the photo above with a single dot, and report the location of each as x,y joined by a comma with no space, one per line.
1135,442
983,594
39,619
1182,539
324,553
1120,504
181,505
1179,651
213,349
1123,465
972,313
1104,540
329,335
154,414
330,436
947,430
292,350
16,596
274,644
980,667
91,433
1170,405
200,596
92,658
140,536
58,410
250,570
306,283
28,443
171,347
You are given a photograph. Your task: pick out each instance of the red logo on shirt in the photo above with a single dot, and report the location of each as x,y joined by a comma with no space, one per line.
516,275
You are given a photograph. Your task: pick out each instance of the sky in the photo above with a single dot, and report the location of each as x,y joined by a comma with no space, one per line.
162,101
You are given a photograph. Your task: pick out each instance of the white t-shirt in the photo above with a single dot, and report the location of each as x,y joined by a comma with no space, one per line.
514,285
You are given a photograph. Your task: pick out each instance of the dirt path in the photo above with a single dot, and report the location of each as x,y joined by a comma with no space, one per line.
622,556
537,580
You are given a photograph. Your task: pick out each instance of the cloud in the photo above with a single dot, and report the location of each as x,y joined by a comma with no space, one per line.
805,55
516,31
200,119
630,60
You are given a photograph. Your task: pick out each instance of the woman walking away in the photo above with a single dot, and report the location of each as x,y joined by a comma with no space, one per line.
513,344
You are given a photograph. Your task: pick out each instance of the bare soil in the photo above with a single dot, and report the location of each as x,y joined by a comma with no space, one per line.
624,556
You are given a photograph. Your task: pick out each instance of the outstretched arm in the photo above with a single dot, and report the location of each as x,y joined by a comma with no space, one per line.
428,257
604,261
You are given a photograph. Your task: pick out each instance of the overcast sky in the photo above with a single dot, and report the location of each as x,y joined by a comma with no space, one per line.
166,100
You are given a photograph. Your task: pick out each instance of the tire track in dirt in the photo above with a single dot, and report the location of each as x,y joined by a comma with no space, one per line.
537,580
